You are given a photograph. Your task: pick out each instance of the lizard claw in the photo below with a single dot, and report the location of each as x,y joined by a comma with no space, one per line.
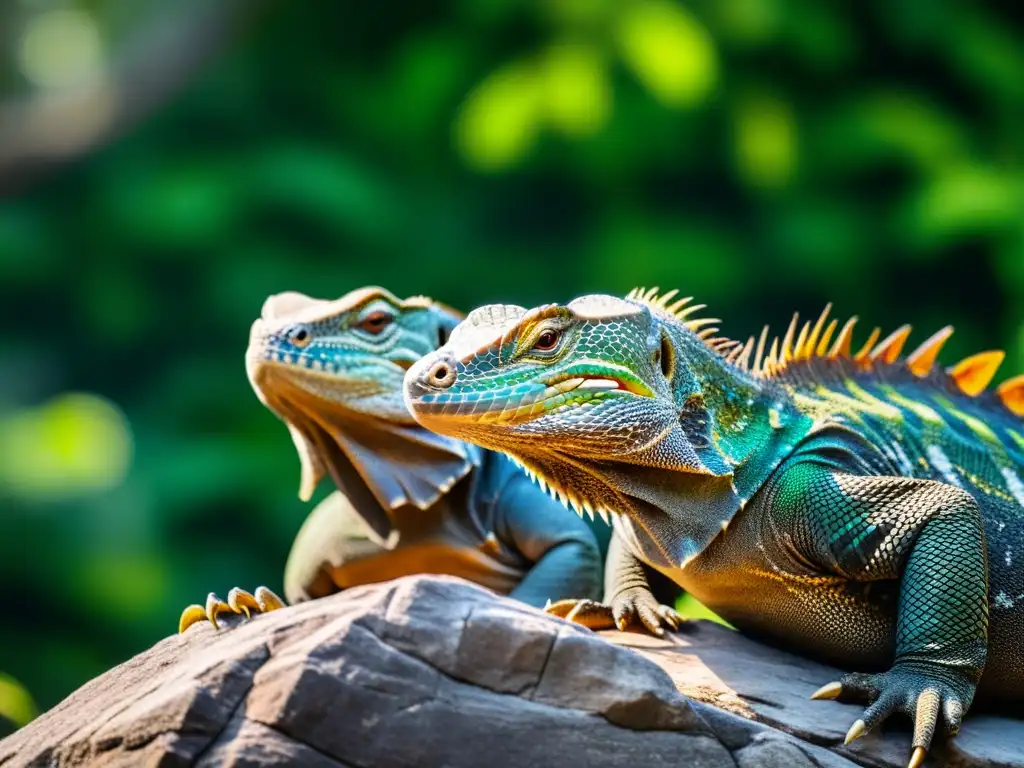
239,601
923,694
828,691
588,613
629,607
857,730
639,604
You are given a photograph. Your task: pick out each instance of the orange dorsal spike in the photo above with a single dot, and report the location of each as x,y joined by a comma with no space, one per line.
800,350
921,360
1011,392
773,356
972,374
812,338
842,346
759,352
743,360
787,341
826,338
863,354
889,349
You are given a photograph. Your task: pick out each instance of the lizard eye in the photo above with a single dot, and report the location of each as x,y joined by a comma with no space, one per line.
376,322
546,341
300,337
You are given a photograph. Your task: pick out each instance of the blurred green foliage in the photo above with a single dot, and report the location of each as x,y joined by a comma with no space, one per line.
763,155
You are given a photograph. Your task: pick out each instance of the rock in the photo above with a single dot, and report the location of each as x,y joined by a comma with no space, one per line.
419,671
437,671
748,684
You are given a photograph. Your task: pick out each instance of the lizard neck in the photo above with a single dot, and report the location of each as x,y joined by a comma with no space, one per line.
739,424
399,464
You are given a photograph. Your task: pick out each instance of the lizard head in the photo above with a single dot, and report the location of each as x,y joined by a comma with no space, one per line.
589,375
349,355
618,405
331,369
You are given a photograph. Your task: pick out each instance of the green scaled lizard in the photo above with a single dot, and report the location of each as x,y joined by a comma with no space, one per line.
410,501
862,508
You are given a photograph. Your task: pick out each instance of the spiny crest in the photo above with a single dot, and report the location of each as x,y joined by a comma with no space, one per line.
820,341
566,499
971,375
681,310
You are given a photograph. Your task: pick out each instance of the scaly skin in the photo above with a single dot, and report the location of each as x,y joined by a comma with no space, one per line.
410,501
864,509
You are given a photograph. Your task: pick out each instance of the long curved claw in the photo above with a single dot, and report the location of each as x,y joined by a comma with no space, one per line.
215,605
591,614
239,601
930,700
669,616
858,729
560,608
267,600
828,691
191,615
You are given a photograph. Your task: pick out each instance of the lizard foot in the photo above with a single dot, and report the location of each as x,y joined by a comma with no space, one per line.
628,607
239,601
925,693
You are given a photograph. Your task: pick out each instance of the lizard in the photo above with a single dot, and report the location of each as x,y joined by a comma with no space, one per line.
861,508
408,500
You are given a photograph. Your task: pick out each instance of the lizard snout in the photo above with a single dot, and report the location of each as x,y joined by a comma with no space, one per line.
435,374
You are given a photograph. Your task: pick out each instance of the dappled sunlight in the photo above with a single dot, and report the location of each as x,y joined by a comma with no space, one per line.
766,141
668,50
73,445
61,49
567,87
16,705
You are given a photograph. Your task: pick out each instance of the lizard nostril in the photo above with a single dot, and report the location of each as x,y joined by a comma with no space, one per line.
441,375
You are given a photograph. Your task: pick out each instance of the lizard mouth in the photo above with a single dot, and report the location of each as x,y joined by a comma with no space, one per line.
562,393
602,384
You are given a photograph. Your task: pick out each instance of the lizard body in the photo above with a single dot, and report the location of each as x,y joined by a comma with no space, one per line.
408,500
859,507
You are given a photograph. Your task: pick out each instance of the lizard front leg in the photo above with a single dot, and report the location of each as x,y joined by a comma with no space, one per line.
628,598
239,601
563,552
927,535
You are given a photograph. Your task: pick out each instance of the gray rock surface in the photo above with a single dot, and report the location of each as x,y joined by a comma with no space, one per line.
759,685
434,671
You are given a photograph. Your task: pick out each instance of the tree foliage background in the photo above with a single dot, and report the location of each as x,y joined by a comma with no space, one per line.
765,156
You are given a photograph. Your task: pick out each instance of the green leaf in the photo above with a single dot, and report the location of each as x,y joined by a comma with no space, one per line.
16,704
498,122
577,94
75,444
765,141
963,200
669,50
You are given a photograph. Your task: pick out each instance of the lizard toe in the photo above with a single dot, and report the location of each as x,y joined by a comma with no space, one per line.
639,605
193,614
930,697
239,601
215,606
587,613
267,600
